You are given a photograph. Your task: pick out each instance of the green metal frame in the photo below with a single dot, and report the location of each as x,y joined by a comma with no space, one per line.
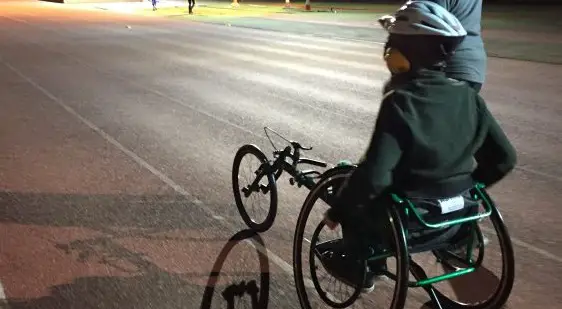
488,205
479,194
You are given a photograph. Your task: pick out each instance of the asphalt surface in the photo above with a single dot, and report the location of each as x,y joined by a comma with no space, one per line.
118,134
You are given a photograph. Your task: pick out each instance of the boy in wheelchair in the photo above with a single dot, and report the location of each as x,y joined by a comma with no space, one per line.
429,133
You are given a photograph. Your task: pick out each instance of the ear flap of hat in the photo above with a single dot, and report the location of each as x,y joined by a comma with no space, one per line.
396,61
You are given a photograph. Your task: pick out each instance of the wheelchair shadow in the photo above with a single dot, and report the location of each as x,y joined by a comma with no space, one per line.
258,294
471,288
96,231
476,286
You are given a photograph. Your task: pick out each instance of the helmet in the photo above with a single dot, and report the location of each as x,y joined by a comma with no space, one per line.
423,18
422,34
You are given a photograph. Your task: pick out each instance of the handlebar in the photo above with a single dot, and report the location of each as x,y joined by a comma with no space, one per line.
297,145
312,162
292,150
295,155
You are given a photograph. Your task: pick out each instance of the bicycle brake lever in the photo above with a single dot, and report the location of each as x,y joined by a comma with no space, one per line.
299,146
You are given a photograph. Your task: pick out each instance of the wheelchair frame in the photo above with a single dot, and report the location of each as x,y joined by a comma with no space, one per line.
402,251
488,205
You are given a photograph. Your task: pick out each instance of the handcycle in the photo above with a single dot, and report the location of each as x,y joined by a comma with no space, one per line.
400,215
286,160
403,241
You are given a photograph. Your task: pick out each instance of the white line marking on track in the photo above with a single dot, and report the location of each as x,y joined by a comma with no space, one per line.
539,173
3,300
527,246
321,72
203,62
276,259
536,250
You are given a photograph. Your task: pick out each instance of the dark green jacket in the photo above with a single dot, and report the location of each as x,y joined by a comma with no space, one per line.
428,133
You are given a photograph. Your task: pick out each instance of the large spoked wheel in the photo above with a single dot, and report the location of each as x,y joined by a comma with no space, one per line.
309,291
251,196
499,296
326,296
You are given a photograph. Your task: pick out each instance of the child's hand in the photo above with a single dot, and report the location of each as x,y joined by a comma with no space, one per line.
328,222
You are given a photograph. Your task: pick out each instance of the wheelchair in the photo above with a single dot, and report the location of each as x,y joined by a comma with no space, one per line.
406,228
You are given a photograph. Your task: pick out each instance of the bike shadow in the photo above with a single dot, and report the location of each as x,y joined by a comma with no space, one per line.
237,288
125,251
157,288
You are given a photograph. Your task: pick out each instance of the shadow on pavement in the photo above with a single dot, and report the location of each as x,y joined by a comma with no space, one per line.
259,294
464,287
136,273
133,277
106,213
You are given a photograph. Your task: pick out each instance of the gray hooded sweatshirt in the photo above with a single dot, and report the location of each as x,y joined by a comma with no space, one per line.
470,60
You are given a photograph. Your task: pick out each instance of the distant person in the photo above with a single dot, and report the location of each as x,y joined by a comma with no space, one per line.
191,5
469,63
154,8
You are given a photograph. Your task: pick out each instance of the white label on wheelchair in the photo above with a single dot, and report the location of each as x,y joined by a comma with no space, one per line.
451,204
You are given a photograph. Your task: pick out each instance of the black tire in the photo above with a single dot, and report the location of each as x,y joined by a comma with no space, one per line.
402,257
271,189
312,266
508,266
336,170
332,176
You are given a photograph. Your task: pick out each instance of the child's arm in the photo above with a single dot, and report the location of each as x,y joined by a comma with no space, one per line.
496,157
374,173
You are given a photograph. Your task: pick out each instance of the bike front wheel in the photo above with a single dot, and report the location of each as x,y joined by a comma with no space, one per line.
252,191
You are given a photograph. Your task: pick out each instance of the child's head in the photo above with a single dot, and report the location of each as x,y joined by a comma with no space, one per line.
422,34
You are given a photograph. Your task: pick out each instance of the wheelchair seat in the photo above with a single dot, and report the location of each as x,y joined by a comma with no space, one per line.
438,211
